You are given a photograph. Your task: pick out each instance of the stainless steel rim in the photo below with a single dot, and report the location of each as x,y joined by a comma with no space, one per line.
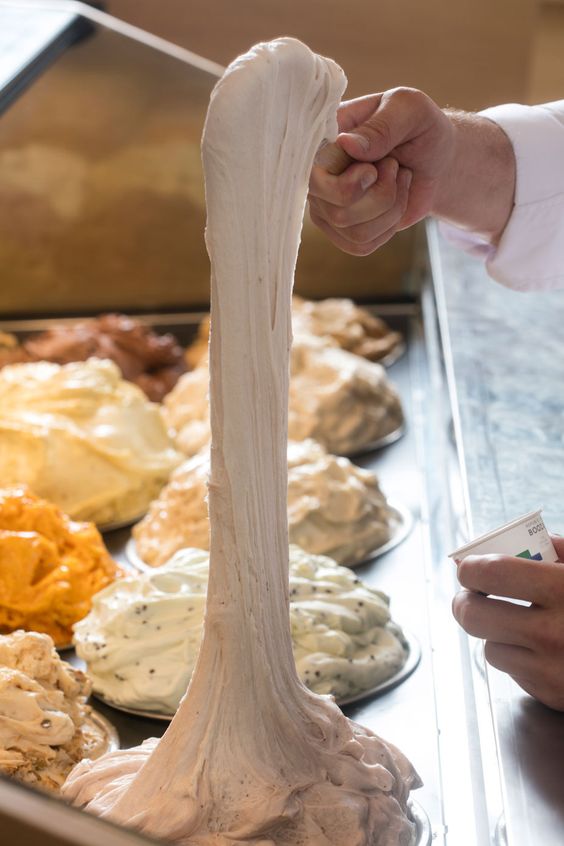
379,443
109,731
422,823
136,712
119,524
412,661
404,527
500,836
393,356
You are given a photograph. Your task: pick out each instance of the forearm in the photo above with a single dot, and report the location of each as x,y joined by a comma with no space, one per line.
477,189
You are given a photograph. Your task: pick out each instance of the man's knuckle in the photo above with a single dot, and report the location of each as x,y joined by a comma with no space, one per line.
462,608
338,216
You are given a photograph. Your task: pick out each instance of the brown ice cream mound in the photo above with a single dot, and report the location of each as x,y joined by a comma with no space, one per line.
153,362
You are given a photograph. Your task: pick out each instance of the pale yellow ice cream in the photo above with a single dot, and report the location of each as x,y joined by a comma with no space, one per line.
141,639
334,508
82,437
45,724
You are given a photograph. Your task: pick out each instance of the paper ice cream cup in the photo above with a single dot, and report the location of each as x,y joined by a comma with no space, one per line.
525,537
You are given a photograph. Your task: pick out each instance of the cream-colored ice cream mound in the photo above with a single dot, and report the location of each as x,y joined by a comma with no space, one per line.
339,321
178,517
186,410
340,399
141,639
334,508
337,398
79,435
45,726
252,756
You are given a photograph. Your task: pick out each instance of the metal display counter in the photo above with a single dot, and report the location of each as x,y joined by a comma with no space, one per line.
505,369
481,386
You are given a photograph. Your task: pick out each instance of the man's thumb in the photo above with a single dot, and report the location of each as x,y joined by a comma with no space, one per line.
393,122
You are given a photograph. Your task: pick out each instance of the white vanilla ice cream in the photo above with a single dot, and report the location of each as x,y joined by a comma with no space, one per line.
141,639
79,435
252,755
334,508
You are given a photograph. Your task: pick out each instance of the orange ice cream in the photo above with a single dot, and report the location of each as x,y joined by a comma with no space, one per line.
50,566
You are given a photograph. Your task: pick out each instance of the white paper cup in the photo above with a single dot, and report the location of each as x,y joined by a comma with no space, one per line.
525,537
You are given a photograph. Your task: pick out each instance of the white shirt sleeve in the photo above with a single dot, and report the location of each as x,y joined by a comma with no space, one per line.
530,253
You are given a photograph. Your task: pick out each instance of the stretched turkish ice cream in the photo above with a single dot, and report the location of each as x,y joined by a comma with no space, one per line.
50,566
334,508
340,399
252,756
45,725
81,436
141,639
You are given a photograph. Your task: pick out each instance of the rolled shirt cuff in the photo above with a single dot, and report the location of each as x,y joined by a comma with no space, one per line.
530,253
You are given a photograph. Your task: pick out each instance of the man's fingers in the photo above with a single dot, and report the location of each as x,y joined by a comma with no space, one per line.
540,582
558,543
494,619
533,673
343,190
367,231
550,693
399,117
515,660
376,200
350,247
378,213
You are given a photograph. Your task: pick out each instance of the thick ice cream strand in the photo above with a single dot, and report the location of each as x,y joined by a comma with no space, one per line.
252,756
246,644
141,639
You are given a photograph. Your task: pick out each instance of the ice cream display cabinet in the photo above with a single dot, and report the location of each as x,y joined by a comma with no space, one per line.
102,208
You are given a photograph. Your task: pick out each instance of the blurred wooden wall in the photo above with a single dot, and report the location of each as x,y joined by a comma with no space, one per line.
467,53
